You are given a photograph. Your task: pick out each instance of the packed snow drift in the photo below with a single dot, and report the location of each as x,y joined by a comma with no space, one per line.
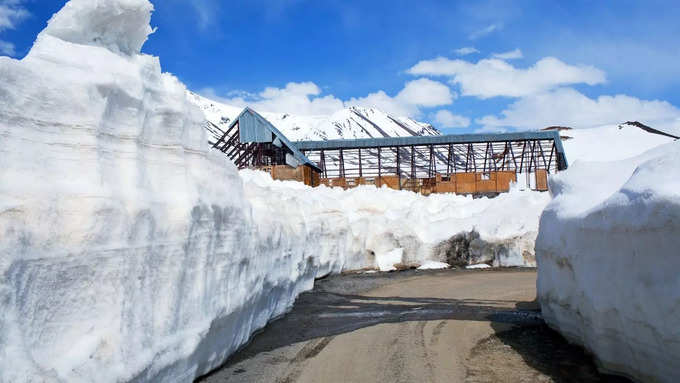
131,252
608,261
408,229
609,142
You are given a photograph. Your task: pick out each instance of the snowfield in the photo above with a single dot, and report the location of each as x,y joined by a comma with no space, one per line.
609,143
608,262
131,252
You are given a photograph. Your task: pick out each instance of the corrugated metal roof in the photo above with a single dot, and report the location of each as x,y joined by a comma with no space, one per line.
258,129
429,140
250,129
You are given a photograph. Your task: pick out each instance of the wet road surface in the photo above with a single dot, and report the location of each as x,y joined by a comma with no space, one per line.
415,326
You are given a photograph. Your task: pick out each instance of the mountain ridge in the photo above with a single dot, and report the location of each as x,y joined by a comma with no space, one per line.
348,123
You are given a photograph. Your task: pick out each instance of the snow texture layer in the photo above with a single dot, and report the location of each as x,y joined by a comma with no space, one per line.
392,227
609,143
130,252
608,262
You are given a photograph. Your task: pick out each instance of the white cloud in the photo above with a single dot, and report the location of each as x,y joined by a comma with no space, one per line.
445,119
416,94
568,107
466,51
11,14
384,102
511,55
297,98
206,11
493,77
305,99
425,92
7,48
485,31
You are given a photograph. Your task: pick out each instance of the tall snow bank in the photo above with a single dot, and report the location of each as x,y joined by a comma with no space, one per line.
127,250
608,262
399,227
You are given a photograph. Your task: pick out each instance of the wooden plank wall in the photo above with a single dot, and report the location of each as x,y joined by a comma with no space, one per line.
541,180
302,173
460,183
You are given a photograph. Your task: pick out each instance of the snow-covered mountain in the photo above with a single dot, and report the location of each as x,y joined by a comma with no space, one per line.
348,123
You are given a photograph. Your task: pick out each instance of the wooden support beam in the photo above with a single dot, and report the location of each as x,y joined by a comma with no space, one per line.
514,159
398,168
449,159
233,141
413,162
491,157
323,164
540,148
379,164
361,172
224,135
521,164
240,160
474,160
433,165
342,165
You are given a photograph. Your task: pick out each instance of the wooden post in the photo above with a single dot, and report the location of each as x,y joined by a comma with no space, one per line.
413,162
361,172
552,150
398,168
379,166
323,164
342,164
448,161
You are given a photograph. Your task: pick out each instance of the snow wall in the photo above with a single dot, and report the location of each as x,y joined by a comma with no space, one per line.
608,255
130,252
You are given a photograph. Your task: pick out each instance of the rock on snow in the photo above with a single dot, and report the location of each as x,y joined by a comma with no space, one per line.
131,252
608,259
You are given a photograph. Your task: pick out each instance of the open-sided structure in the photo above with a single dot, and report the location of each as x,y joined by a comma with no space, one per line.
466,164
252,141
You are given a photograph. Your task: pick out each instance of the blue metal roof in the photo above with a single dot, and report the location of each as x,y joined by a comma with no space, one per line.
435,140
429,140
255,128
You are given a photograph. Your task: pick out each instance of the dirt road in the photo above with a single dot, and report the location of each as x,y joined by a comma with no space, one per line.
443,326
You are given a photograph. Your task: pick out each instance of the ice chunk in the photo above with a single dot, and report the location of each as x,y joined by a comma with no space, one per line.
119,25
387,261
478,266
433,265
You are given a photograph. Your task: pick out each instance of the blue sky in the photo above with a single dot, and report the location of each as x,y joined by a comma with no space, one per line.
576,63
